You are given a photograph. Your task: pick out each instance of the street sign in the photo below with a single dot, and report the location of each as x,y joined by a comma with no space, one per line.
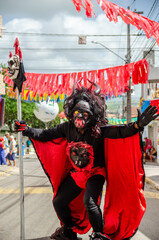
82,40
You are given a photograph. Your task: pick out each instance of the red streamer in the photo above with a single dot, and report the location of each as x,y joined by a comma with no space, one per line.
112,11
113,81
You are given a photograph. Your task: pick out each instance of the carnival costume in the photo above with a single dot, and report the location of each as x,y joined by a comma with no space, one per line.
80,154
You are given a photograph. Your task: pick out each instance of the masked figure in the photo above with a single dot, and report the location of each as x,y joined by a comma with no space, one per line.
80,154
16,72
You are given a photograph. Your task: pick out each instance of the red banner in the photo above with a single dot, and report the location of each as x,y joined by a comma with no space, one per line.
113,81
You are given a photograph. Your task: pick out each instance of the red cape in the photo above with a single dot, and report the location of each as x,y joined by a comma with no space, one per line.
124,200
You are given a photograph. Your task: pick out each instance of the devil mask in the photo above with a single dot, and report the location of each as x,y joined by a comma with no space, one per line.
80,155
13,67
82,114
16,72
85,107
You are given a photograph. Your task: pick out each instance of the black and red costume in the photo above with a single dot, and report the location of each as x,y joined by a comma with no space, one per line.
117,157
80,154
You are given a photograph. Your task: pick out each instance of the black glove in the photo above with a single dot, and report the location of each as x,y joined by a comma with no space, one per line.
147,116
20,126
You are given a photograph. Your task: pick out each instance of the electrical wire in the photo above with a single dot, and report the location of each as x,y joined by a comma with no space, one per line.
150,12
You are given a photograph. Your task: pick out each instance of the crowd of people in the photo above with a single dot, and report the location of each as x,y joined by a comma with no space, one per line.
9,148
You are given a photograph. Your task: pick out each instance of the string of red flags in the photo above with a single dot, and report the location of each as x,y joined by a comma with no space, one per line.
112,11
113,81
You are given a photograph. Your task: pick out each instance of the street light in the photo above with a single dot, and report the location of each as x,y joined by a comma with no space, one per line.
109,50
125,61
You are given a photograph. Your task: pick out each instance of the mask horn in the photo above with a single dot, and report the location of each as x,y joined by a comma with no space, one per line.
97,87
76,85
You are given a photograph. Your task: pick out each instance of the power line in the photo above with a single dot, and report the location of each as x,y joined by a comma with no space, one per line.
140,31
67,49
68,35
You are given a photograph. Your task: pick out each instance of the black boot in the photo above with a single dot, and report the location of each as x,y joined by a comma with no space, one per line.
98,236
64,233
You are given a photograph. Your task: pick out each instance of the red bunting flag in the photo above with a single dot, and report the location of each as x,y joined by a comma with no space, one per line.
112,11
113,81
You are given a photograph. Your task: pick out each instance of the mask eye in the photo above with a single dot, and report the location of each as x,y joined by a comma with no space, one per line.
85,115
76,112
73,153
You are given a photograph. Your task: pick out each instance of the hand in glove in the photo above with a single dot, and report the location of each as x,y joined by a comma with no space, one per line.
20,126
147,116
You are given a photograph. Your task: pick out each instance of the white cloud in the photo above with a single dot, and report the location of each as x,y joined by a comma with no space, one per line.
38,58
24,25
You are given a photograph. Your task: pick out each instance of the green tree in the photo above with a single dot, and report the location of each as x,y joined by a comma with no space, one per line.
27,114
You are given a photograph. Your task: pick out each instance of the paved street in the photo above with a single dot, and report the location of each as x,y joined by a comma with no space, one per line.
40,219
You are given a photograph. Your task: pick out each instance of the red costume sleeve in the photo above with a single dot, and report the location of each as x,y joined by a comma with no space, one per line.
124,201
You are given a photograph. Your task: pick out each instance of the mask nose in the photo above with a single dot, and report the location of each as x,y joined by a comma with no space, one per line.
79,115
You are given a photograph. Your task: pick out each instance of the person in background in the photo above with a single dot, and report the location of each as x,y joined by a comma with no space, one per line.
28,143
6,144
2,153
153,154
148,145
16,144
12,149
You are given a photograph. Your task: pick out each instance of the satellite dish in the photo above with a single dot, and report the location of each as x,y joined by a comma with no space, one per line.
46,112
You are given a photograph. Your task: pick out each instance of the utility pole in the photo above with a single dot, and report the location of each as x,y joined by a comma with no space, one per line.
128,61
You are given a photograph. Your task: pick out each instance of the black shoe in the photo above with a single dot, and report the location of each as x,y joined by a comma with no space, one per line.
64,233
98,236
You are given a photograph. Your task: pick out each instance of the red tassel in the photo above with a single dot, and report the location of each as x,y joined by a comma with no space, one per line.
10,54
78,4
89,8
16,46
101,79
20,53
117,79
151,28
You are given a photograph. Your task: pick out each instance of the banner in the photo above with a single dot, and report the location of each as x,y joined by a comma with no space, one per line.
146,103
113,81
115,121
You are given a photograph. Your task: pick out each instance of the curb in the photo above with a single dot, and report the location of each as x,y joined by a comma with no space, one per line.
152,183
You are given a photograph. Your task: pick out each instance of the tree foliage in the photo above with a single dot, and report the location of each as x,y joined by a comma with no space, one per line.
27,114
